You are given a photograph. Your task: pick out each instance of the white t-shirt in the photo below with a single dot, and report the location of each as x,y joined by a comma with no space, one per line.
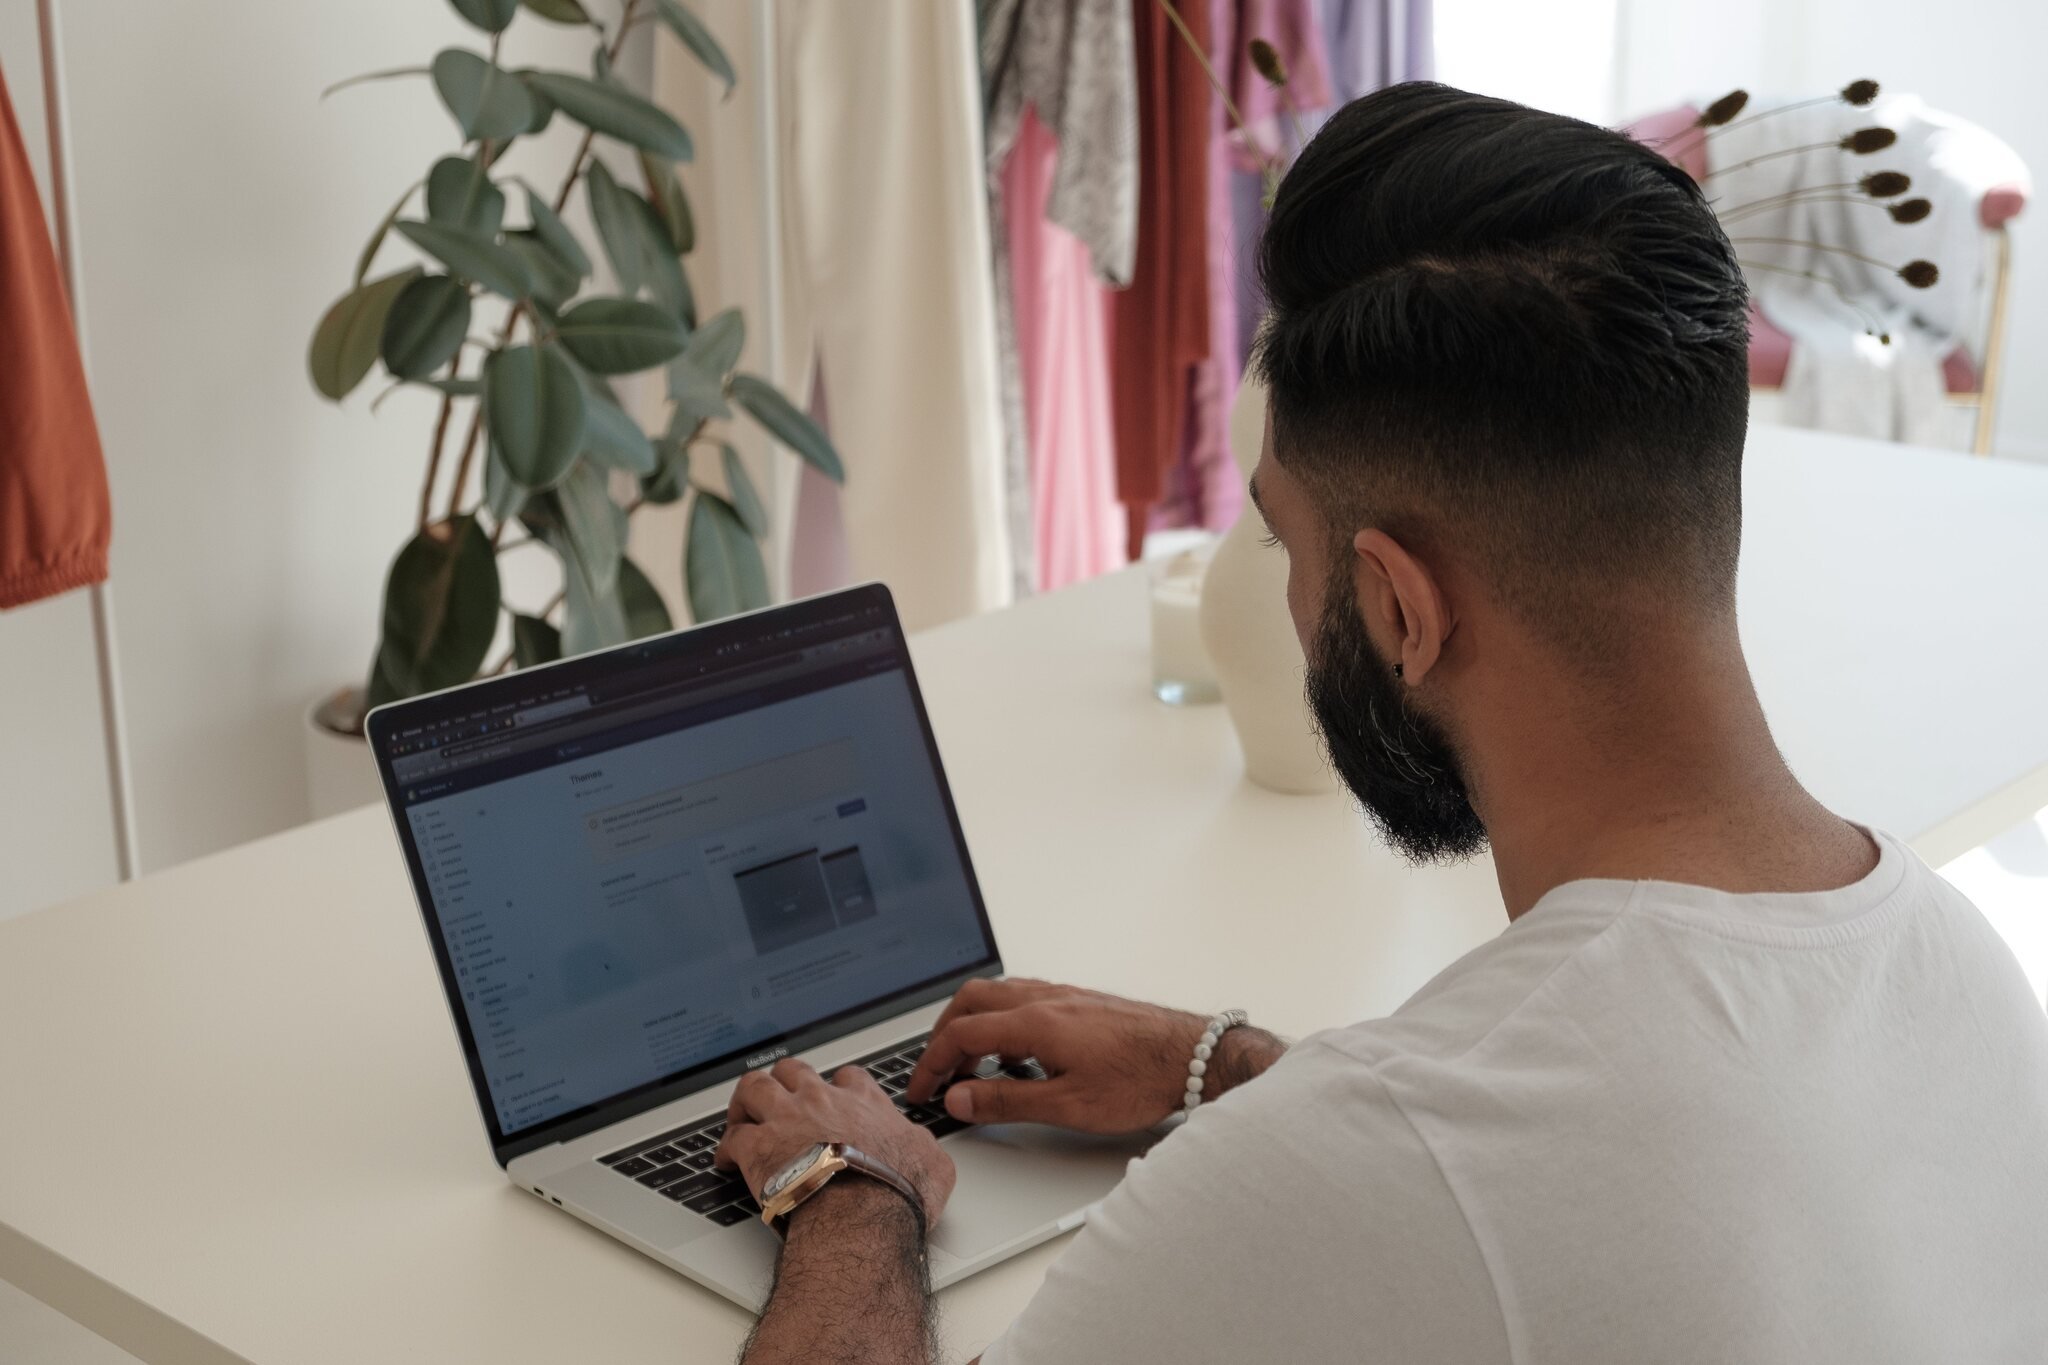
1648,1124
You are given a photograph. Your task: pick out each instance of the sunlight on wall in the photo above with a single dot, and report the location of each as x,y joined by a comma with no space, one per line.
2008,879
1557,56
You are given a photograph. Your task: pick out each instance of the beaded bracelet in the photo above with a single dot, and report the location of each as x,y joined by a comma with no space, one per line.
1198,1069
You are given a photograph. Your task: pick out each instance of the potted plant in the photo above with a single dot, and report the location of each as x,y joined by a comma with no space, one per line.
508,319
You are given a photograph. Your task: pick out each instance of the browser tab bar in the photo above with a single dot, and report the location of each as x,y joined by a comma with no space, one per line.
534,715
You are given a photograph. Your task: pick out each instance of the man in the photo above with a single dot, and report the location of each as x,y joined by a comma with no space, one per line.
1741,1081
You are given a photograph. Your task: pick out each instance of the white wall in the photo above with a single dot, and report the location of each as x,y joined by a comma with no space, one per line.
220,208
56,836
1557,55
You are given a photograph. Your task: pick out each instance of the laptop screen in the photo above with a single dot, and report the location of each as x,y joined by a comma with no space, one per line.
643,864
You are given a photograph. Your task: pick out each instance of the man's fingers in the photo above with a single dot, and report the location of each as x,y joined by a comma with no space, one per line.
757,1095
854,1078
791,1072
1009,1033
985,994
1009,1102
737,1147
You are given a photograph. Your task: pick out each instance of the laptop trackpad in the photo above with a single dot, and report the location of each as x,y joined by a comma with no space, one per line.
1018,1179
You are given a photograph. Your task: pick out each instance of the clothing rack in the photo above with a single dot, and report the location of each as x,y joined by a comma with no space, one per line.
113,721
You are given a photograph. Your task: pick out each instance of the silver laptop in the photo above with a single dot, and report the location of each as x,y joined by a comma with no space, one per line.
649,870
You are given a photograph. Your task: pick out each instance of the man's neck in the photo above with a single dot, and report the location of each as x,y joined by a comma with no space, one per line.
1672,778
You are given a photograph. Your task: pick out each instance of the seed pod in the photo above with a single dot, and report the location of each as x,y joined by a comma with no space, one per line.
1724,109
1910,210
1267,62
1859,92
1885,184
1864,141
1919,274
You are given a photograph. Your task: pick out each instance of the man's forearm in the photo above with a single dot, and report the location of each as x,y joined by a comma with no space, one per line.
852,1287
1241,1055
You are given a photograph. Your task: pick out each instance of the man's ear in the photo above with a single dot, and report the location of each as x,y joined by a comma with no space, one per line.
1402,602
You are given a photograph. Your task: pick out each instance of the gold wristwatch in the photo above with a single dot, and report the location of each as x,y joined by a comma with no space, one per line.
814,1169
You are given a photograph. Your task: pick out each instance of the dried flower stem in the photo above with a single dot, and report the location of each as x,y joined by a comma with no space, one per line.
1802,192
1269,170
1704,133
1842,143
1819,246
1741,211
1872,325
1187,36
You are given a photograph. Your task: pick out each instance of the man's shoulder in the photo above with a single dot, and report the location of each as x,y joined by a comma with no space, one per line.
1471,999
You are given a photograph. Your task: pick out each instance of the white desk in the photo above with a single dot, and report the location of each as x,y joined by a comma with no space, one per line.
234,1124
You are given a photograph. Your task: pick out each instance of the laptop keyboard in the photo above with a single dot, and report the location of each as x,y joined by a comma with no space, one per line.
677,1165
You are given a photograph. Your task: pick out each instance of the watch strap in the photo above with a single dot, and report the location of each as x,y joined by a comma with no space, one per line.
851,1158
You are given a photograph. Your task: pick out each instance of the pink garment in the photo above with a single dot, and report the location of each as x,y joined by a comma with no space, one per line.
1269,114
1205,488
1062,316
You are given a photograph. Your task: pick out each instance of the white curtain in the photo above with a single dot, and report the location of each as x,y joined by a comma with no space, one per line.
882,253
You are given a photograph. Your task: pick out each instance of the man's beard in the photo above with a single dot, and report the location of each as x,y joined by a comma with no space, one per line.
1398,762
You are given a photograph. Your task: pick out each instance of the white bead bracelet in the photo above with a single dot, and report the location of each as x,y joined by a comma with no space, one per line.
1198,1069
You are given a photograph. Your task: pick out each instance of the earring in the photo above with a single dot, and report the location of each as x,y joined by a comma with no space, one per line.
1397,670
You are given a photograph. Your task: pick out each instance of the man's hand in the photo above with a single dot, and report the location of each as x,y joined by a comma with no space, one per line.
1112,1065
777,1114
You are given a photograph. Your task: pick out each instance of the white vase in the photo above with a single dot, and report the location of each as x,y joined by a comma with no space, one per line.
1250,637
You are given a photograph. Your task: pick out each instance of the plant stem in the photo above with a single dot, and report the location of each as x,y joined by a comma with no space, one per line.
476,424
1188,37
1819,246
440,439
375,76
469,444
1873,326
1768,156
1830,188
590,134
1736,215
1270,171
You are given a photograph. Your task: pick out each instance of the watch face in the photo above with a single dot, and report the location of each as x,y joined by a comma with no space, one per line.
781,1180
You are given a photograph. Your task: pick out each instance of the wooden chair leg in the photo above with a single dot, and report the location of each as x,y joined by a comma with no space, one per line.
1994,342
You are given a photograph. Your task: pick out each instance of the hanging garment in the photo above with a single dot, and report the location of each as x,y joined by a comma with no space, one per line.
1838,376
1062,344
883,250
1368,45
55,518
1372,44
1295,31
1071,62
1206,489
1161,323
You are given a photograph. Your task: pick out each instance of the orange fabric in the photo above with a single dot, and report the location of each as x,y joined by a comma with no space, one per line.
55,519
1161,323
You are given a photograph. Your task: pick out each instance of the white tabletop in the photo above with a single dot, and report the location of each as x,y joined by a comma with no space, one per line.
236,1122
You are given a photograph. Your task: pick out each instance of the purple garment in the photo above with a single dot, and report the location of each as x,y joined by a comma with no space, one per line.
1204,487
1368,45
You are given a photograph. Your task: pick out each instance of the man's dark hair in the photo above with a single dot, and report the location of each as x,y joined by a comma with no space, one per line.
1516,336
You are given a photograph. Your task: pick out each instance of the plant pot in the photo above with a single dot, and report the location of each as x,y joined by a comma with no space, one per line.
340,774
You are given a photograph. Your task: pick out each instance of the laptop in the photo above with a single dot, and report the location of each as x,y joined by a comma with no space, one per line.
647,871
